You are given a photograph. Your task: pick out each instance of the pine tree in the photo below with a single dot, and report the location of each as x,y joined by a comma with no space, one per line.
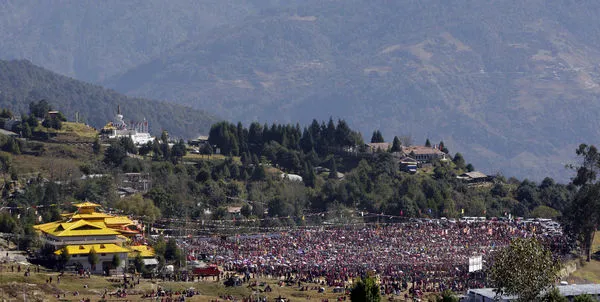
96,146
396,145
333,171
26,130
459,161
365,289
259,173
13,146
309,176
427,143
32,121
377,137
443,147
116,261
93,259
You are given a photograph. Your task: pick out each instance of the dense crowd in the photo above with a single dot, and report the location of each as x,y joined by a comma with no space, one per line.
425,256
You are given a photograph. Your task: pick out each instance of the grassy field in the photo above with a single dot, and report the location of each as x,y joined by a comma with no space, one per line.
15,287
590,271
72,129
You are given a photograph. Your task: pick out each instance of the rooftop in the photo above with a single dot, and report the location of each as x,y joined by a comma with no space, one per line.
408,159
87,222
145,251
98,248
91,216
86,204
421,150
579,289
474,174
120,220
77,228
570,290
9,133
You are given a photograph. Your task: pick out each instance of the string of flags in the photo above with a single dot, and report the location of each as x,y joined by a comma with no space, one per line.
35,207
362,214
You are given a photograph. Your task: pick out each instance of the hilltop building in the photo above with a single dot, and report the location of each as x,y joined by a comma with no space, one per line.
474,177
88,230
200,141
139,132
408,164
425,154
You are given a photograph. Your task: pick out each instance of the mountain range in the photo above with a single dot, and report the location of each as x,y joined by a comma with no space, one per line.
94,40
513,85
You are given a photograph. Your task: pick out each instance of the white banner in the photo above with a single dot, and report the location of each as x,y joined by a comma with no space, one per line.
475,263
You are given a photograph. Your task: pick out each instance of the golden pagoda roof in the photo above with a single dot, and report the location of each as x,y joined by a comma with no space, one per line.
127,232
76,228
87,222
145,251
98,248
93,215
120,220
86,204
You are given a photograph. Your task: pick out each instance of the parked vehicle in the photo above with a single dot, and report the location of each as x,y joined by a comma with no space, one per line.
201,269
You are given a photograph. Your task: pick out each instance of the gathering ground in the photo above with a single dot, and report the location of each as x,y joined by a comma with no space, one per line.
15,286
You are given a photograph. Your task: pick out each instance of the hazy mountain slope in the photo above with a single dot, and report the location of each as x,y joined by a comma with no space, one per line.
22,82
513,84
91,40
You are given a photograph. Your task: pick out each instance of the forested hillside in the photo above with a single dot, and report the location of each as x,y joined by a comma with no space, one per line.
22,83
514,84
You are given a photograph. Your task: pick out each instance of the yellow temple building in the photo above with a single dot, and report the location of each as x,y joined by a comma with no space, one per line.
88,230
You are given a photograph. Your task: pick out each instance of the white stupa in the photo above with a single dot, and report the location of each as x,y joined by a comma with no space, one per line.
118,128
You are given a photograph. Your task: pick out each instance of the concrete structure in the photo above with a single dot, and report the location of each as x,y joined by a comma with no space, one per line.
291,177
424,154
569,291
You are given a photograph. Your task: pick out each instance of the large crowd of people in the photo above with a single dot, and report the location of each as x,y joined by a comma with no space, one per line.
427,256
